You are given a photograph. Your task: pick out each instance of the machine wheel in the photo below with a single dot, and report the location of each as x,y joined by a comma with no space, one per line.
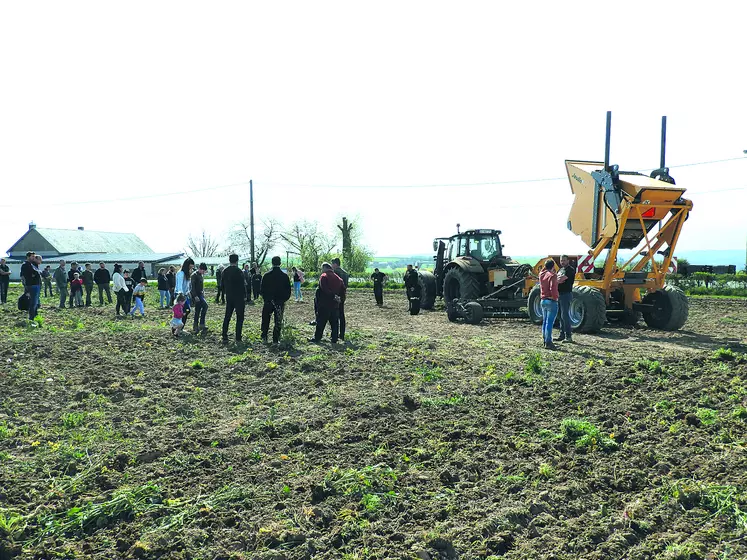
473,313
534,307
451,313
427,289
588,310
670,309
460,284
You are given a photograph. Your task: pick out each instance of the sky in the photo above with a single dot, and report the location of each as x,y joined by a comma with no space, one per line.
358,109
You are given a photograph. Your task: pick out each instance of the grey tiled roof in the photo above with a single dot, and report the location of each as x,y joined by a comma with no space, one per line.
117,257
79,241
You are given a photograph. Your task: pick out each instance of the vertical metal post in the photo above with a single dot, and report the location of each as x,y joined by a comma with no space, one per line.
607,142
663,142
251,216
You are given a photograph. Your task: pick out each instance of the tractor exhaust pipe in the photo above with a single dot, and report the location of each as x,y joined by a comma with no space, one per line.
607,142
663,142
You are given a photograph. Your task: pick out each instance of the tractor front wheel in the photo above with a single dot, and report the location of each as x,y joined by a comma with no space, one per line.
670,309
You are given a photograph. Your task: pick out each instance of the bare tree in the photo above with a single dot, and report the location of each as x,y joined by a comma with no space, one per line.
307,239
203,245
240,238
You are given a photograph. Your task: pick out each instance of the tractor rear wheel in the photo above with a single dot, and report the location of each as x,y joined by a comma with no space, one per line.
534,306
460,284
670,310
473,313
427,289
588,310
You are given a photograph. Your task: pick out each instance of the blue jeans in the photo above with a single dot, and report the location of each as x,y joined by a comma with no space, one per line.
565,314
549,312
138,306
34,292
297,290
165,297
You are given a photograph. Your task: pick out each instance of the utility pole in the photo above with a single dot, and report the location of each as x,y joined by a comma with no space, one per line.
251,216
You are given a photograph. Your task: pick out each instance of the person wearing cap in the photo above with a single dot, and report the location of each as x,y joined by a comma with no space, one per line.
329,295
235,292
275,289
345,277
197,295
549,301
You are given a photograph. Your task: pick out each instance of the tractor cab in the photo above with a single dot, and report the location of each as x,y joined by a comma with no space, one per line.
481,245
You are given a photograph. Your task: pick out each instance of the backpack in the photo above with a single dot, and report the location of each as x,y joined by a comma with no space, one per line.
23,302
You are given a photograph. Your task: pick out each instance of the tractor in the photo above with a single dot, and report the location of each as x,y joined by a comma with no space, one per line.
475,278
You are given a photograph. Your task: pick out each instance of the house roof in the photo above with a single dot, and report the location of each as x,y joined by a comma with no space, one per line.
95,258
84,241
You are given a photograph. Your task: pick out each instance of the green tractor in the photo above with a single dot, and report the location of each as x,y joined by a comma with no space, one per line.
474,277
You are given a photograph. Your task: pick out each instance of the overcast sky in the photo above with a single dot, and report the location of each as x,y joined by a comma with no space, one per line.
318,102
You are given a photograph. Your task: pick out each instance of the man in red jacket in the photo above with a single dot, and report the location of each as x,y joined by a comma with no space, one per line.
330,293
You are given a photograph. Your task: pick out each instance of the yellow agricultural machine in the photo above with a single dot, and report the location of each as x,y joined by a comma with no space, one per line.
615,210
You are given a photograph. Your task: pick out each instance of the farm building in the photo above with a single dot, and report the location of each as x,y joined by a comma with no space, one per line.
84,246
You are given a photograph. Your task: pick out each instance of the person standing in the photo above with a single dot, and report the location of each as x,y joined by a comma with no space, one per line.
378,278
412,288
32,283
120,289
60,280
549,302
276,290
28,262
329,295
566,277
70,276
138,295
87,278
46,275
297,280
5,282
257,280
76,291
139,273
163,289
182,284
130,283
220,295
102,278
197,293
235,293
171,277
345,277
247,273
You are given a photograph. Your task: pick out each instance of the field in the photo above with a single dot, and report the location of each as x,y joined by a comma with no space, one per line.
418,439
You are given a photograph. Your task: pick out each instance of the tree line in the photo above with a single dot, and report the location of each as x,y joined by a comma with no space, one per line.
306,243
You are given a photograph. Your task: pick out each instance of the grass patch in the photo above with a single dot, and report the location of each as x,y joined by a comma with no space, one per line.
443,401
724,355
585,435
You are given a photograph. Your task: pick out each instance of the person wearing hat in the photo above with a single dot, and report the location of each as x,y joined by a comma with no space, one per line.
197,295
275,290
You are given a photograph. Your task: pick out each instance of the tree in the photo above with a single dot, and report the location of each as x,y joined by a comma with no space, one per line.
359,258
355,255
240,238
203,245
347,241
308,240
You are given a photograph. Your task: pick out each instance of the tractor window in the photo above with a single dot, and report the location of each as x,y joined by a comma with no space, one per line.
485,247
463,246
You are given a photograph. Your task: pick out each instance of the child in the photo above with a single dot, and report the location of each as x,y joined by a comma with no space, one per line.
138,294
177,323
76,290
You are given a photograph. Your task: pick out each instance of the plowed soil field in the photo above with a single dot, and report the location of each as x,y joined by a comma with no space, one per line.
418,438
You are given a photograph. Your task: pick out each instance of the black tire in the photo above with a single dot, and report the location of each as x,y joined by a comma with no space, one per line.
588,310
671,309
427,289
473,313
534,309
452,314
460,284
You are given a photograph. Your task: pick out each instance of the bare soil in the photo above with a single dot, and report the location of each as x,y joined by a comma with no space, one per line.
418,438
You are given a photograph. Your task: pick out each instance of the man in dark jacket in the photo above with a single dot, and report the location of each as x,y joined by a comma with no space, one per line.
139,273
276,290
60,280
412,287
257,280
87,278
235,292
70,277
246,272
378,278
102,279
566,277
345,277
329,295
197,294
220,296
5,282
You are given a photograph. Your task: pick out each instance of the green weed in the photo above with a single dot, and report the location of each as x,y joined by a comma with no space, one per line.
546,471
533,364
585,435
724,355
248,355
5,431
12,525
721,500
197,364
707,416
428,373
740,412
374,479
652,367
442,401
73,419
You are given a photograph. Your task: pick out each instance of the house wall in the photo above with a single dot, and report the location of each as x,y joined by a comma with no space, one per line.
32,241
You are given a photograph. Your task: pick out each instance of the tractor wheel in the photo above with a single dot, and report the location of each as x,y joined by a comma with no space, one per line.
534,307
670,309
588,310
473,313
451,313
427,289
460,284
